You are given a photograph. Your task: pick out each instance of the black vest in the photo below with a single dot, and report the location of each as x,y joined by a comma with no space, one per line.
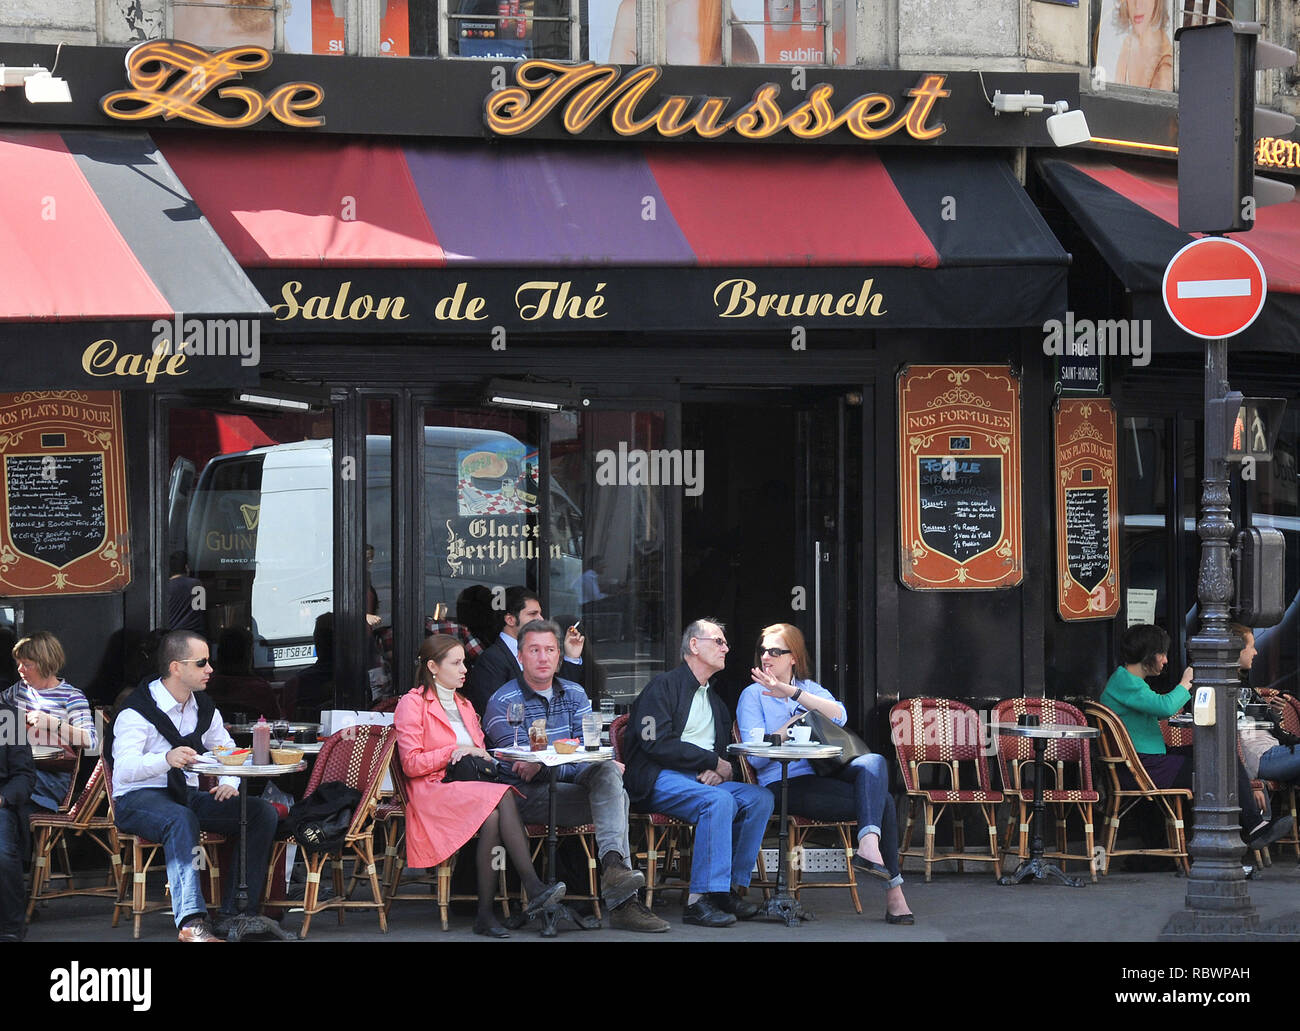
141,700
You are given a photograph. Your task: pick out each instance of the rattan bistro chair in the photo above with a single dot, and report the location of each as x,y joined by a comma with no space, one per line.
87,817
1116,753
1284,793
800,829
939,735
1068,773
664,835
358,757
143,855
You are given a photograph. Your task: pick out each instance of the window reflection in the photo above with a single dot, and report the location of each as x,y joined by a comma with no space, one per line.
1145,504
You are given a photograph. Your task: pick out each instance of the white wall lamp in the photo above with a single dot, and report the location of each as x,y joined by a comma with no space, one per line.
1064,126
40,86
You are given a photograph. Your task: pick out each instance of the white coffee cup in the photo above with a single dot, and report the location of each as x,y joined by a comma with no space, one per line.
754,735
800,735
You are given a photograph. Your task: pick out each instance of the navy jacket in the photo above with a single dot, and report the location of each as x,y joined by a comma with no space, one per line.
653,738
497,666
17,772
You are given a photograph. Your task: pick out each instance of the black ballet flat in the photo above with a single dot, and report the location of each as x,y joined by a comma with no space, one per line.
899,918
490,929
874,869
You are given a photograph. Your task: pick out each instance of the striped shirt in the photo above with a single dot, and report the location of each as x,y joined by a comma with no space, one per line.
563,715
62,701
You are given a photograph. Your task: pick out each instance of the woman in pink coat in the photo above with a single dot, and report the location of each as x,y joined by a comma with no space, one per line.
437,727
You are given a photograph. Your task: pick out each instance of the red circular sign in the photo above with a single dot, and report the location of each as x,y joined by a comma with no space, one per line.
1214,288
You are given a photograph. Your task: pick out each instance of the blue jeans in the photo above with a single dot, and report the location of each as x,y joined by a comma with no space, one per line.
729,823
13,900
1280,763
859,792
152,813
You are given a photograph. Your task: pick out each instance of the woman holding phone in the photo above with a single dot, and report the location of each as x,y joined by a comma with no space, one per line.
437,728
780,694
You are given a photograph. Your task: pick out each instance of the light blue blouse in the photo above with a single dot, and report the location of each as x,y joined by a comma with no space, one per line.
755,707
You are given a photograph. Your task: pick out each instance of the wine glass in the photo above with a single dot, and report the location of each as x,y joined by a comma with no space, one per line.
515,717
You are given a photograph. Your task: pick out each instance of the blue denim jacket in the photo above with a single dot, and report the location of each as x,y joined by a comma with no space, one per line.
756,708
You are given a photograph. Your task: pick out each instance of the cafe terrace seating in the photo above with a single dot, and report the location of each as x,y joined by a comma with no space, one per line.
1117,754
664,835
359,757
1068,775
143,855
86,817
391,812
1284,794
800,829
940,736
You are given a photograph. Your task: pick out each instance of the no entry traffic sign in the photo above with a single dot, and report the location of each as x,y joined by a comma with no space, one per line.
1214,288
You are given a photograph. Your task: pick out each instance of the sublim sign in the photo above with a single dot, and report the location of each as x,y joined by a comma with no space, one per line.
582,93
172,79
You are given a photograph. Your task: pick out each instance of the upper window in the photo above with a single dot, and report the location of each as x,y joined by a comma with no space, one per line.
786,32
225,23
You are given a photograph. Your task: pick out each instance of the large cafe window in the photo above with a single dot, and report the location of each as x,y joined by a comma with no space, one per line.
250,517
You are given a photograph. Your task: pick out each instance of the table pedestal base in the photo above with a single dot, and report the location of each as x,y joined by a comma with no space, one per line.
245,925
782,906
551,917
1040,870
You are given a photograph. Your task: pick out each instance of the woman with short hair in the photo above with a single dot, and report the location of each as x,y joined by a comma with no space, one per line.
56,712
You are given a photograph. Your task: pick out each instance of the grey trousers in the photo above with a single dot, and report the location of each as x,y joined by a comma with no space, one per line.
597,796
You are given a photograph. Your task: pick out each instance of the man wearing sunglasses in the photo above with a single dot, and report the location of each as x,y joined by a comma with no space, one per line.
161,730
675,748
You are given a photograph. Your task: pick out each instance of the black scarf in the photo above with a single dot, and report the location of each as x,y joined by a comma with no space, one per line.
141,700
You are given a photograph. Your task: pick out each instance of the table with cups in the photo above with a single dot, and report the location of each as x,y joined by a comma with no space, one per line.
782,905
242,924
541,751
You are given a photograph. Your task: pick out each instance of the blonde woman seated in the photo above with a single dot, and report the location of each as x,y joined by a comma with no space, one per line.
437,728
859,792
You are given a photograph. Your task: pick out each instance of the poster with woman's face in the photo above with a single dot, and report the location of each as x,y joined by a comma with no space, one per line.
789,32
1135,43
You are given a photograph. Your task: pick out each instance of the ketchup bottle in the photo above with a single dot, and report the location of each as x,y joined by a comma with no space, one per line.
261,742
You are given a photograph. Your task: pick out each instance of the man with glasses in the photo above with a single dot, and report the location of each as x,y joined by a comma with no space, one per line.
162,729
675,748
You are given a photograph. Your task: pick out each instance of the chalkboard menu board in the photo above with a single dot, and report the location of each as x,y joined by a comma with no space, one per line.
63,519
1087,511
961,504
959,466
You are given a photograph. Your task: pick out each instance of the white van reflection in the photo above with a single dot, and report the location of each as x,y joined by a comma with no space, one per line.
260,535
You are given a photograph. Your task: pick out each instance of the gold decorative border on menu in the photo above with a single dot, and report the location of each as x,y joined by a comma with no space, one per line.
960,525
64,527
1087,509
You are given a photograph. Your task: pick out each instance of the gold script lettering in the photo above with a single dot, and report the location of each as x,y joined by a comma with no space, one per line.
102,355
171,79
581,92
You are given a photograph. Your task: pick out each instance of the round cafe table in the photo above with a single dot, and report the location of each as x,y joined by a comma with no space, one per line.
782,904
234,928
1036,866
43,753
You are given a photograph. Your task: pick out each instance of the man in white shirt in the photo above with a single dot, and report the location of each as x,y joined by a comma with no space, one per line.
161,730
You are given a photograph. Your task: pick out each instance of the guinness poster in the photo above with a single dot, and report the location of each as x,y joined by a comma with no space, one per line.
63,519
959,468
1087,510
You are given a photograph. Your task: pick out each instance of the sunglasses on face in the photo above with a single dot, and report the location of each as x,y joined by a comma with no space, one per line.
721,642
198,662
776,653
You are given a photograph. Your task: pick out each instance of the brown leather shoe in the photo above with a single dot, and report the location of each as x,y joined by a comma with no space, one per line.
198,931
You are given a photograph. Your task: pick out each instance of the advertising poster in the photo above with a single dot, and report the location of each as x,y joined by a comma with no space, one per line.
959,472
1135,43
317,28
1087,510
785,32
497,478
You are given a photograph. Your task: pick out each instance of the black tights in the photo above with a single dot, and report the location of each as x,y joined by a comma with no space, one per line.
503,827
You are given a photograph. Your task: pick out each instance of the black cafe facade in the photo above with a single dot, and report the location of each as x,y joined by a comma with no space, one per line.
390,335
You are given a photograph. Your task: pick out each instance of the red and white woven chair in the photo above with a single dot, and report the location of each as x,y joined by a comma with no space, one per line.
940,735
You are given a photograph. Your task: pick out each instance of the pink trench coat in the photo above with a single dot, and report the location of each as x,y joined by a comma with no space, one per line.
440,817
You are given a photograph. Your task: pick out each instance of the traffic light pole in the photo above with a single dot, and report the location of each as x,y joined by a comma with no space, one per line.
1218,896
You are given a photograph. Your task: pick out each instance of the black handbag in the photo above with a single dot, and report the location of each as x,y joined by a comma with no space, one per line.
472,767
828,732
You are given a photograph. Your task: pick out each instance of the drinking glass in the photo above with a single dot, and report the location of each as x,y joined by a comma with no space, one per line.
515,717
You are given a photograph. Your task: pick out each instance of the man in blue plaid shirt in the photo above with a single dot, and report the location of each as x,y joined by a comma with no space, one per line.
585,792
